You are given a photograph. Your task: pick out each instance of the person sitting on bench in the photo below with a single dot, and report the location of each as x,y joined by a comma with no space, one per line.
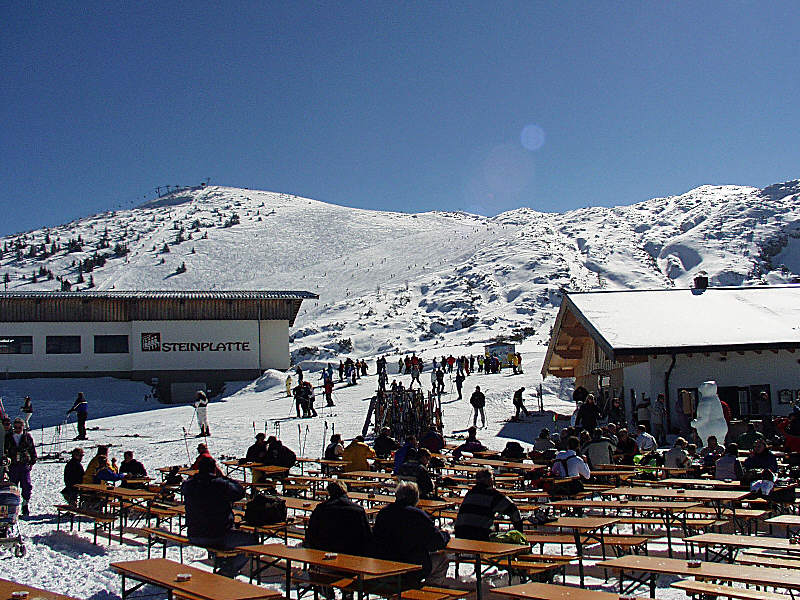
209,500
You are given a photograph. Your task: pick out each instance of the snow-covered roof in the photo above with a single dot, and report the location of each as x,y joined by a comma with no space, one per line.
648,322
170,295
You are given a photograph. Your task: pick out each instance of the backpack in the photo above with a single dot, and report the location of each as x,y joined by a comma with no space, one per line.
567,486
265,510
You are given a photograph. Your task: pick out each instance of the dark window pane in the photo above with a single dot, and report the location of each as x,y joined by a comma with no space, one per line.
63,344
16,344
111,344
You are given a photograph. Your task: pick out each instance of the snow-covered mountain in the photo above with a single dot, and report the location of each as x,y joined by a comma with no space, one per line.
391,281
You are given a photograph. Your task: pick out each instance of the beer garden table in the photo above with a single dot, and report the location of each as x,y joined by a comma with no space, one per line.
585,529
671,512
132,496
7,588
654,565
489,550
360,566
550,591
202,585
733,543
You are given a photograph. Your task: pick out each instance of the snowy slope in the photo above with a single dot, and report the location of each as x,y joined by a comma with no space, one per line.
390,281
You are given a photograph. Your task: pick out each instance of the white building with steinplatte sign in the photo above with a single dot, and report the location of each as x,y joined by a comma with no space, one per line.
636,344
178,341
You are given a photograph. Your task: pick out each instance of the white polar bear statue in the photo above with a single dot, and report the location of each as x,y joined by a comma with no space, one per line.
710,418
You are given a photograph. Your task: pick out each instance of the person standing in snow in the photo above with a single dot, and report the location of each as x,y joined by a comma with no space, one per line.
414,375
289,386
20,449
478,401
518,403
81,409
27,411
201,408
459,382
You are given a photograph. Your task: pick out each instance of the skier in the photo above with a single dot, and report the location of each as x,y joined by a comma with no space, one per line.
308,392
21,452
27,411
478,401
81,409
459,382
414,375
300,402
519,404
440,381
289,386
328,385
201,408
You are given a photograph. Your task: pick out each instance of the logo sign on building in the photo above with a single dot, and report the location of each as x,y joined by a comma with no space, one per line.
151,342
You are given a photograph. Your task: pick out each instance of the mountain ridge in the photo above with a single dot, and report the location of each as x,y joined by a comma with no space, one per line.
390,280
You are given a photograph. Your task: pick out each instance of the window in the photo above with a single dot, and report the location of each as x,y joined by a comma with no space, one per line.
63,344
111,344
16,344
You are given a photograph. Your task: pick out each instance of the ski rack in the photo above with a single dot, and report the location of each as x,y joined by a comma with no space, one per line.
406,412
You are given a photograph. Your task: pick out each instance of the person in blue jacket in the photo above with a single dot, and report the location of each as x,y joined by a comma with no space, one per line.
81,409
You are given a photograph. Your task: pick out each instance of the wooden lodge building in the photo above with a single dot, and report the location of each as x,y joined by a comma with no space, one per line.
635,344
179,341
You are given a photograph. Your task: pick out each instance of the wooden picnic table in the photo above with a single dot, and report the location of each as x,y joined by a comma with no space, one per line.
671,512
732,543
361,567
202,585
132,496
585,529
716,484
791,522
489,550
232,466
550,591
653,566
718,498
8,587
489,462
380,475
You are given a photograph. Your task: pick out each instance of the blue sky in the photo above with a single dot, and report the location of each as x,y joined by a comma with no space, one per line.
408,106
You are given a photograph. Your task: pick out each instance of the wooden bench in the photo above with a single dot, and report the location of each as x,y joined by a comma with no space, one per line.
618,542
784,562
101,520
695,588
168,538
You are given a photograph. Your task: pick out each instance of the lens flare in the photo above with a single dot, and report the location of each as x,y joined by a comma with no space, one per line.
532,137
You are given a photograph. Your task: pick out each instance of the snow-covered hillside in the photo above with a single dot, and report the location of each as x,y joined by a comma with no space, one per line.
393,281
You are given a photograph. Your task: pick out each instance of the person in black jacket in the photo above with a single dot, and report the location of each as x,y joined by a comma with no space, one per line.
406,534
385,444
478,401
588,414
20,450
416,470
209,498
132,469
73,474
339,525
480,505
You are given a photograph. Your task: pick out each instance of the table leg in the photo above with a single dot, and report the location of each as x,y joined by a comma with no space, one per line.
288,578
652,585
621,580
478,578
124,593
668,523
579,548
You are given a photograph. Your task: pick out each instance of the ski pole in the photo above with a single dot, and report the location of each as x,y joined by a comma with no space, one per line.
186,443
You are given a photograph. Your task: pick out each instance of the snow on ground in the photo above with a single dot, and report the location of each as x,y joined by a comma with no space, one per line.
76,567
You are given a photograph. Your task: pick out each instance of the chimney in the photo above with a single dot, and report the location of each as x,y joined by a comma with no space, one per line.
701,281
